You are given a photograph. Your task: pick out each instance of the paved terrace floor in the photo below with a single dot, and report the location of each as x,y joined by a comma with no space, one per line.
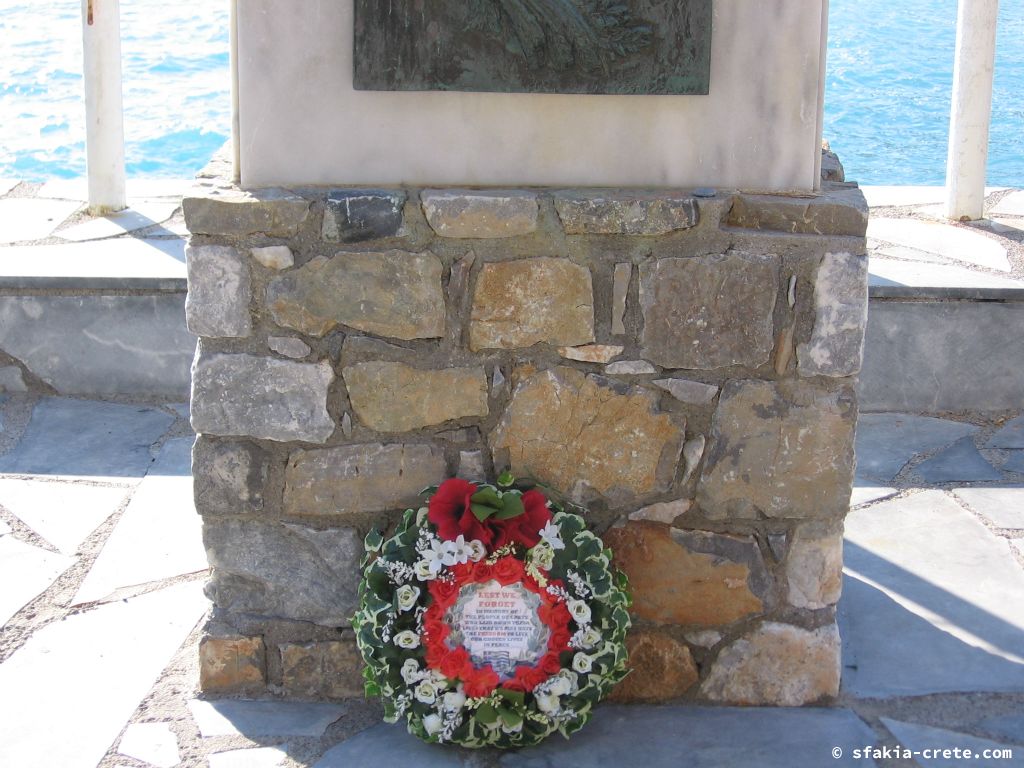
102,564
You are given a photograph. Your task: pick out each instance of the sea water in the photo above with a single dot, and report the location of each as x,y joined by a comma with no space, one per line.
889,78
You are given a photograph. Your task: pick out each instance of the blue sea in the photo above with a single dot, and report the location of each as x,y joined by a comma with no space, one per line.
890,73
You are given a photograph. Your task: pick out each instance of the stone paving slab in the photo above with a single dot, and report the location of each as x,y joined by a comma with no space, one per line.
135,189
928,277
1011,205
152,743
1003,506
25,571
391,745
257,757
1005,226
1010,435
4,528
887,441
1015,462
78,681
942,239
81,438
960,463
126,259
924,570
865,493
701,737
62,513
255,719
158,537
6,185
1010,727
903,252
27,218
923,739
139,215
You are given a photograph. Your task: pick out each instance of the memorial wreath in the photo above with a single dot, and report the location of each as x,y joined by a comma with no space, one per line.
492,617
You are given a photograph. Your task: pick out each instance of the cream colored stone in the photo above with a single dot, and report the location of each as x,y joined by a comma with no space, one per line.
661,668
592,353
393,397
521,303
814,568
766,61
232,664
274,256
316,670
565,428
663,512
482,214
777,665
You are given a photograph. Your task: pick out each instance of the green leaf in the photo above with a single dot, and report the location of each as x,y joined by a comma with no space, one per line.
511,506
374,540
505,479
486,714
510,718
487,496
481,511
516,697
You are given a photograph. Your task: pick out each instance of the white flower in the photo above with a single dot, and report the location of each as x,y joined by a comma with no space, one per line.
542,556
560,686
477,550
580,611
455,700
548,703
551,535
590,638
426,692
425,571
581,662
407,639
411,671
407,597
432,724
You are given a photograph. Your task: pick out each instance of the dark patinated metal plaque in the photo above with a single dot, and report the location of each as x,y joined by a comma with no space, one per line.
536,46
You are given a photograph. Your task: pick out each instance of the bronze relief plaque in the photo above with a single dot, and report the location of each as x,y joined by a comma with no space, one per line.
534,46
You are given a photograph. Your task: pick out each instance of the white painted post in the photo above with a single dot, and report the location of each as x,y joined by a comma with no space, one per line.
972,108
104,116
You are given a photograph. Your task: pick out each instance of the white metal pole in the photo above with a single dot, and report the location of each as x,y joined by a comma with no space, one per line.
972,108
104,117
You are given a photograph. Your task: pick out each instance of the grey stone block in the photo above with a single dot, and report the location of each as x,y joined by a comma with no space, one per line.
835,212
766,436
921,738
1004,506
236,213
483,214
101,345
686,325
289,346
685,391
615,212
390,745
390,293
228,476
360,478
836,347
282,570
219,291
249,396
943,356
354,215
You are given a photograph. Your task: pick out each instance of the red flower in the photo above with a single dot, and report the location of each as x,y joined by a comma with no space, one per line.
456,664
524,529
449,510
515,684
481,682
482,572
444,593
531,677
508,570
550,663
559,640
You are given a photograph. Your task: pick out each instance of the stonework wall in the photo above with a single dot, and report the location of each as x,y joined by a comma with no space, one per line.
682,366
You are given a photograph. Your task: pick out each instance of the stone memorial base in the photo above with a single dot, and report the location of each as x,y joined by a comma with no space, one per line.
683,366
